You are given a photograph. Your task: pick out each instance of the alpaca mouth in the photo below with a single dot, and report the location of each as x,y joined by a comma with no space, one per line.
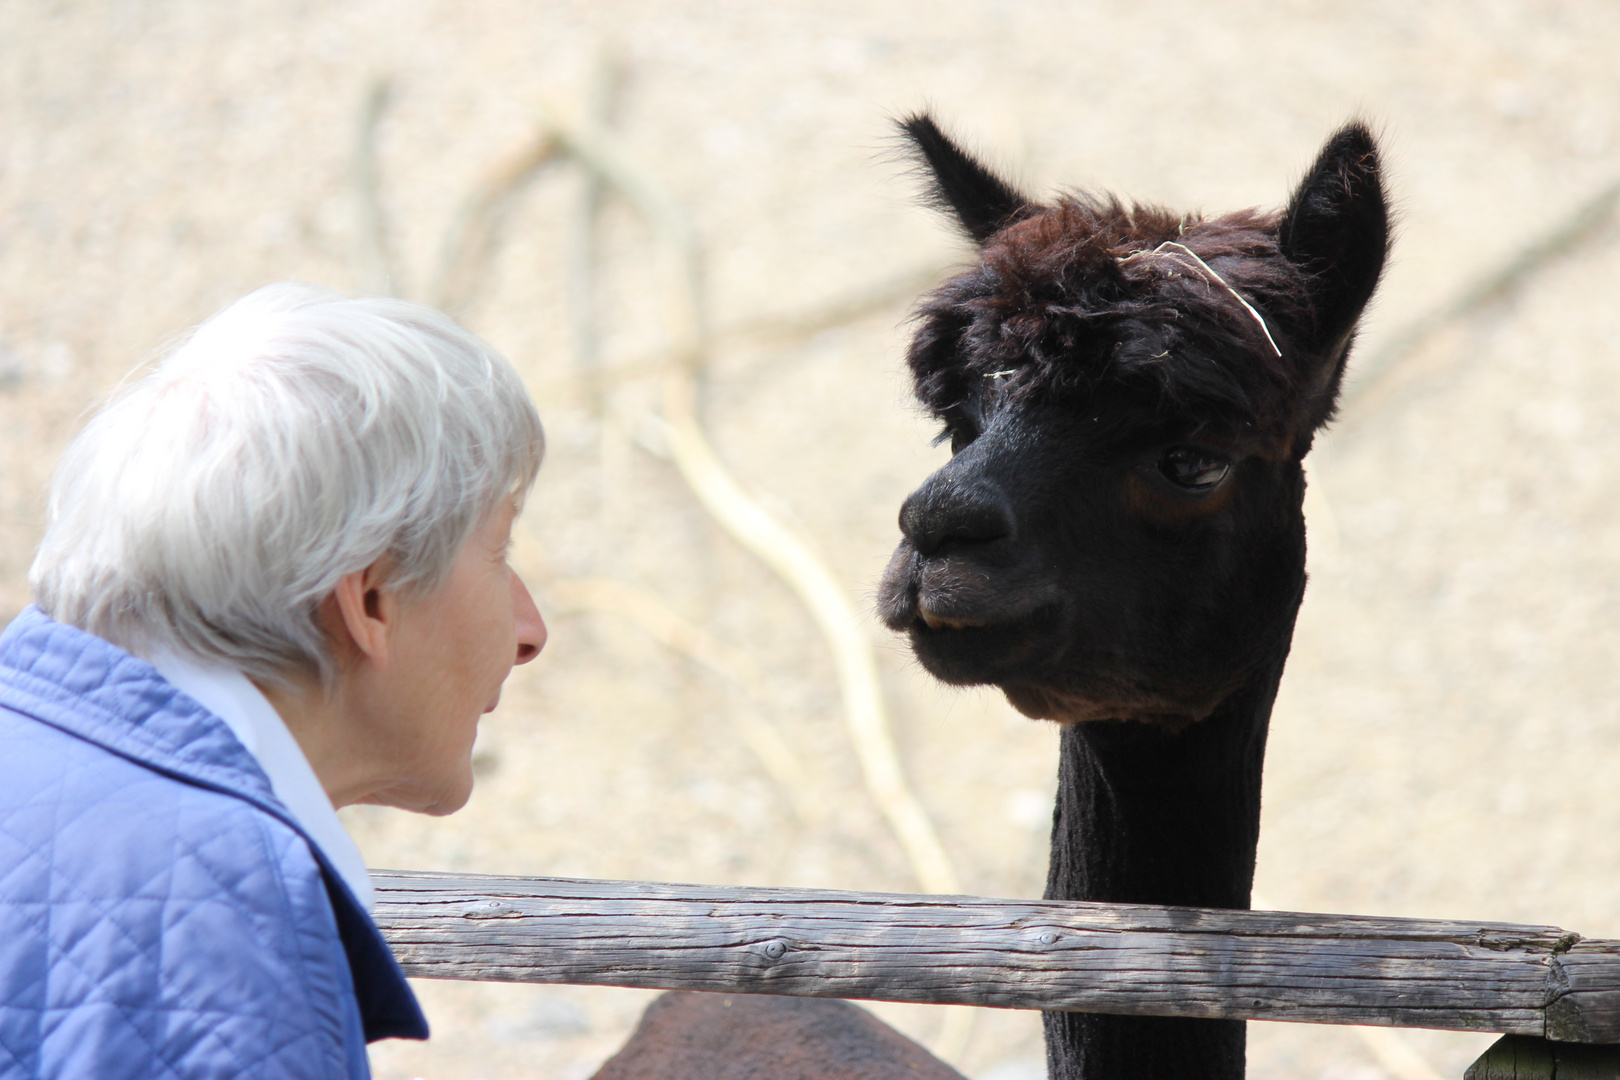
935,621
973,651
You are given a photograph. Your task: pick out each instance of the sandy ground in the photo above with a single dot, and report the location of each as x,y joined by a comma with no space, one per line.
1447,740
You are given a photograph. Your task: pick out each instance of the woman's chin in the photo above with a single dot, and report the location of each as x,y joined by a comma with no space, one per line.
435,797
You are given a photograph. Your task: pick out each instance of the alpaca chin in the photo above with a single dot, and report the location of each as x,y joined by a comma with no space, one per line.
1044,703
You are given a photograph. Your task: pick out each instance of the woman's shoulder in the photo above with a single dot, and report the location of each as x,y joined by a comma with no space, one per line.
85,802
171,915
111,769
83,686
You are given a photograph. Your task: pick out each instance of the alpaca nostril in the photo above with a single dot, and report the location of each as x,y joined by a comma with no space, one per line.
940,514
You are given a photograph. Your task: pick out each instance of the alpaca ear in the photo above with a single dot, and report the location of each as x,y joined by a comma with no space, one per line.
961,184
1336,228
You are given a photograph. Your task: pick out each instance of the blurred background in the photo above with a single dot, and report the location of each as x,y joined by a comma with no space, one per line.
1447,739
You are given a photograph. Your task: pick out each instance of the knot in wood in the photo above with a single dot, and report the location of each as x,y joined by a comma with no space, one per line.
774,950
492,909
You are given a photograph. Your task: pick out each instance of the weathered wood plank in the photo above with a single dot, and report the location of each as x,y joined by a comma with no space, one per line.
1115,958
1587,1005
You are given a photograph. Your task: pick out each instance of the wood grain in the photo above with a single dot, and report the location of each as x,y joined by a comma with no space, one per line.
961,950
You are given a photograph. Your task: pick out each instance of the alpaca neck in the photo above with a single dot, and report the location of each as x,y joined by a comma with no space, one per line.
1151,816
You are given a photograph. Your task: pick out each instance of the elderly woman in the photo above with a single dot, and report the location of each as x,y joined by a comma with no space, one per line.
274,583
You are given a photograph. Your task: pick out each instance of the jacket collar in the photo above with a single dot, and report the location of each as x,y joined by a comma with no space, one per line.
76,682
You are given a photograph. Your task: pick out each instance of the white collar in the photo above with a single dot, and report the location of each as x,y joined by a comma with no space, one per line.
229,695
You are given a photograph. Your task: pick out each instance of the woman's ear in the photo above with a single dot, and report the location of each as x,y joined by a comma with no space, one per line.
361,613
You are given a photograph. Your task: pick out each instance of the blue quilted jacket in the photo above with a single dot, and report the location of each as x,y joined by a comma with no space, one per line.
161,913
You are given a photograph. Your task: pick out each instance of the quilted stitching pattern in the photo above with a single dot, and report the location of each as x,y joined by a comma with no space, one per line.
148,927
84,685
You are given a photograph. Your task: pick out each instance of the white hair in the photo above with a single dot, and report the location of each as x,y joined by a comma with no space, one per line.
294,438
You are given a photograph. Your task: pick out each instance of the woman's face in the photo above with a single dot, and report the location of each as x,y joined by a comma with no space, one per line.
449,652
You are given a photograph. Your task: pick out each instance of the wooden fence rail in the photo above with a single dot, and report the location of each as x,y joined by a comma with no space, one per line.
963,950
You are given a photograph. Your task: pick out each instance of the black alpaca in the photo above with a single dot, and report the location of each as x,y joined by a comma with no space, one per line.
1117,541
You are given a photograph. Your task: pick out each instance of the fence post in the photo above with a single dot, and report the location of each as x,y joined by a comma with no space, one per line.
1522,1057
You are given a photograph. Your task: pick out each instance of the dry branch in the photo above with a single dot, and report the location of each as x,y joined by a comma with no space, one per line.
747,522
785,328
602,83
840,312
373,256
473,234
779,761
1396,1055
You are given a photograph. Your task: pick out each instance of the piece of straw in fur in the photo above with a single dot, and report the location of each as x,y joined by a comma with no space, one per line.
1205,267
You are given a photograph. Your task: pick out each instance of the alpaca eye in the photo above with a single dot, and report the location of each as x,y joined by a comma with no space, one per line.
959,431
1193,469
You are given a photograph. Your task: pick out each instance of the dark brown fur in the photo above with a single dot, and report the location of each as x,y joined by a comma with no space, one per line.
1117,542
1075,367
692,1036
1074,301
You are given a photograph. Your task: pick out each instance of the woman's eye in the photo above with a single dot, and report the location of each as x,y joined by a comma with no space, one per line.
1193,469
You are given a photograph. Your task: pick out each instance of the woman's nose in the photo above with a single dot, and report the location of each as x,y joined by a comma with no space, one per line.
531,628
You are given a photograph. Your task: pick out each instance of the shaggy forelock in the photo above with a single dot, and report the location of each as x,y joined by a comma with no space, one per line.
1090,294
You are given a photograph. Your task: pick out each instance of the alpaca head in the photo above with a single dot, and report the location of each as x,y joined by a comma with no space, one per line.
1128,395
